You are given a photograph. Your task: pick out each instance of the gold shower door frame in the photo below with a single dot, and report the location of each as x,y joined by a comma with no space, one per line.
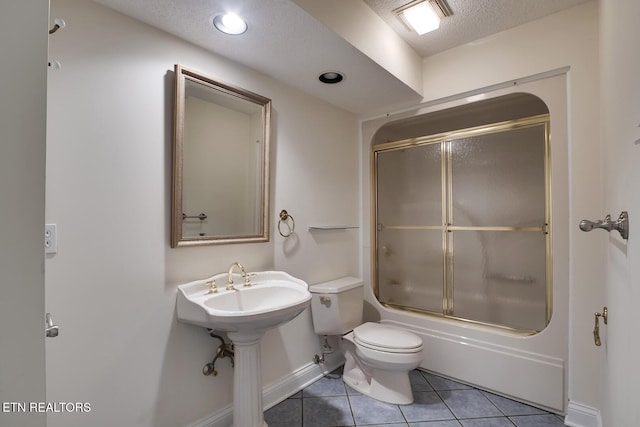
447,228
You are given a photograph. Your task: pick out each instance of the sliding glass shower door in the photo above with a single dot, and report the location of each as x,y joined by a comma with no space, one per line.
462,224
410,227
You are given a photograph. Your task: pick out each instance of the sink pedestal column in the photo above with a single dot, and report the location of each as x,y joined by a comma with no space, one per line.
247,379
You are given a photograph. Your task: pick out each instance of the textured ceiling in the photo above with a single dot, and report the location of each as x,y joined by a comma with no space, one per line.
471,20
291,44
283,41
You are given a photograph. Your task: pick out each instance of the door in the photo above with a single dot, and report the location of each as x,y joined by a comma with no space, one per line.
23,88
621,143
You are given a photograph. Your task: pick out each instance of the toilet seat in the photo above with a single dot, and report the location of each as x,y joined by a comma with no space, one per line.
386,338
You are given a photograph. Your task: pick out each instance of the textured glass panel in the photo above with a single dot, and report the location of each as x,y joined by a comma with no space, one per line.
499,278
410,268
498,179
410,186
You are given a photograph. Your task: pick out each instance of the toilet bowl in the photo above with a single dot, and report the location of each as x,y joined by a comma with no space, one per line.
378,360
378,357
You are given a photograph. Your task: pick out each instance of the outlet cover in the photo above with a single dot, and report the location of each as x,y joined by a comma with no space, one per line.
50,239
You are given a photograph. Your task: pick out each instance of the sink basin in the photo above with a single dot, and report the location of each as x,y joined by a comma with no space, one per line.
273,298
244,313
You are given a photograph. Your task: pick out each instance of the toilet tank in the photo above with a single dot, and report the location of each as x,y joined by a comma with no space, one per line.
336,306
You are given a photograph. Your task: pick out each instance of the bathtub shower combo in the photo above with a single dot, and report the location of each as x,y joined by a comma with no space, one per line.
462,224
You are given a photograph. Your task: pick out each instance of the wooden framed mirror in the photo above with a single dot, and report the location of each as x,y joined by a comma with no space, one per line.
220,162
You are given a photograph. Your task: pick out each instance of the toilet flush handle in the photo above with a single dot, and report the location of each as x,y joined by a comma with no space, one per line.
326,301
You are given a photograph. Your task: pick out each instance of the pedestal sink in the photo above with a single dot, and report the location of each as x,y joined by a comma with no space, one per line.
245,313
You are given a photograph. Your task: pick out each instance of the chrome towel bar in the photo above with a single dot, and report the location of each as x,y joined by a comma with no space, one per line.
201,217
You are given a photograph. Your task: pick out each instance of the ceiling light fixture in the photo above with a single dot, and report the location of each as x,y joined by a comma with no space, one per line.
423,16
331,77
230,23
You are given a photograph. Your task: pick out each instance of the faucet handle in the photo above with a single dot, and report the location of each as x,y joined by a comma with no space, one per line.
247,279
211,284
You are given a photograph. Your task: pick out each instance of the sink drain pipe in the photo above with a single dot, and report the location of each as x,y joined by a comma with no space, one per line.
223,350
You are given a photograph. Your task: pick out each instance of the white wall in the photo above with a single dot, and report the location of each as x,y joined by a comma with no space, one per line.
112,284
23,91
566,39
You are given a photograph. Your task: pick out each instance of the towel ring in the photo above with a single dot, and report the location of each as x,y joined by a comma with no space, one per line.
284,219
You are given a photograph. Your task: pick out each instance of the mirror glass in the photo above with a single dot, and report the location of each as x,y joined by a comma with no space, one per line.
220,162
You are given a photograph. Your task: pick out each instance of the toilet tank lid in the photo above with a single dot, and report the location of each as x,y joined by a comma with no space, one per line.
336,286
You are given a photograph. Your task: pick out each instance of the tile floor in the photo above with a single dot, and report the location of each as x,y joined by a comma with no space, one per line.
439,402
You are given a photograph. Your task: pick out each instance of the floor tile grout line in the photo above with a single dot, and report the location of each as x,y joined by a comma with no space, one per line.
346,392
448,407
404,417
440,397
355,423
504,415
491,402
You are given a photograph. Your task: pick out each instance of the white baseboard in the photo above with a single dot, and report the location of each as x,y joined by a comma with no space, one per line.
274,393
579,415
221,418
277,392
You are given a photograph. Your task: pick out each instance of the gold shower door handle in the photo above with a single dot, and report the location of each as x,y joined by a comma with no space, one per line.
596,329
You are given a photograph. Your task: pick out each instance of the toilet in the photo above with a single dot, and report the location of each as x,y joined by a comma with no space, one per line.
378,357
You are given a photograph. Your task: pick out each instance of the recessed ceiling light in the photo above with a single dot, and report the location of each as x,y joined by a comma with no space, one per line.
230,23
331,77
423,16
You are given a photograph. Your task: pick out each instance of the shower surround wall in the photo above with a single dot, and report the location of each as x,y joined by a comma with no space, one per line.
566,45
112,285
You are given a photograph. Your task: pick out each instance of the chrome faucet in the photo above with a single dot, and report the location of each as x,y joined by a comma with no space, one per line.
230,278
